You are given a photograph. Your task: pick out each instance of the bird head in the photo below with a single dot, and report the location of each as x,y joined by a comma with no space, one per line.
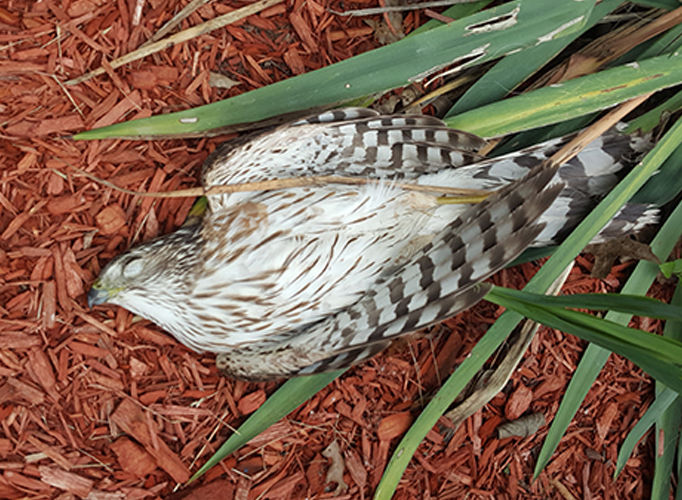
148,270
127,271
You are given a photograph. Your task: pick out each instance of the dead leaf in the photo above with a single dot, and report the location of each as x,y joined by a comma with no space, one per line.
522,427
335,471
607,253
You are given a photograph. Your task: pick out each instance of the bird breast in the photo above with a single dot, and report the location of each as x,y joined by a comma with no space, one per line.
284,259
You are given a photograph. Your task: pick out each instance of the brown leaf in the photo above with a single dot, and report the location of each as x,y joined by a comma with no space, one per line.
607,253
335,471
522,427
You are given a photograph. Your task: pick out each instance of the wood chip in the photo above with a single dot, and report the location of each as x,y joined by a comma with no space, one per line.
131,419
518,402
111,219
133,458
67,481
394,425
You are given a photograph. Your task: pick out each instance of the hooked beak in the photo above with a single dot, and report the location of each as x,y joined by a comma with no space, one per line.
97,295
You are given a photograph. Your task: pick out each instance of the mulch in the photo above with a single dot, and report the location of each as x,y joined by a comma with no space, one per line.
100,404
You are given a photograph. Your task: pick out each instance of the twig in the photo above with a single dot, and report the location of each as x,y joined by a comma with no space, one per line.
175,20
182,36
285,184
137,13
500,375
61,86
588,135
398,8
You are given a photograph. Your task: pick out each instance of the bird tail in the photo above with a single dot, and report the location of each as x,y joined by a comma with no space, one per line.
587,178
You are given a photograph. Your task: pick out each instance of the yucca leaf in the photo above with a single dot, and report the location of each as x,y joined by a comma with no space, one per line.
637,305
504,325
286,399
668,425
652,414
466,42
659,356
577,97
595,357
513,69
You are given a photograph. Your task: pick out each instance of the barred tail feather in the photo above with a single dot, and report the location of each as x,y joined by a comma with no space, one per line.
435,283
586,177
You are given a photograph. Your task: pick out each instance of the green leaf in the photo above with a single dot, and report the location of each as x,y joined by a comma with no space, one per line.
665,43
595,357
506,323
672,267
466,42
513,69
637,305
286,399
653,117
653,413
538,135
656,355
532,254
666,184
668,426
572,98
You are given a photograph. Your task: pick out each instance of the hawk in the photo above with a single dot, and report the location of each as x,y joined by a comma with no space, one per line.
297,281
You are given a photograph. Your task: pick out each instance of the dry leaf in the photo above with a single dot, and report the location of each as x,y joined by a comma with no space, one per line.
335,471
522,427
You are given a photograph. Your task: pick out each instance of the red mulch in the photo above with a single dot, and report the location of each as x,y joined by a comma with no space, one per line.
97,404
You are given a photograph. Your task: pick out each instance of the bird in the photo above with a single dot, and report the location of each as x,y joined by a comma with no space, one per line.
290,282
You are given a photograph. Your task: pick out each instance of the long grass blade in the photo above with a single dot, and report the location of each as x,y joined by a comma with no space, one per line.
595,357
504,325
636,305
572,98
668,425
463,43
286,399
512,70
663,401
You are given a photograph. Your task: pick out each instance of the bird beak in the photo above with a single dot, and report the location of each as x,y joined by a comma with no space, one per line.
97,295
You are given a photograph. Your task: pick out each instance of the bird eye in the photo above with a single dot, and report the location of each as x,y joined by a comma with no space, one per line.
133,267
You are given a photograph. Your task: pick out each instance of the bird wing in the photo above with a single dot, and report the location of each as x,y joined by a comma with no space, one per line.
445,277
347,142
438,281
